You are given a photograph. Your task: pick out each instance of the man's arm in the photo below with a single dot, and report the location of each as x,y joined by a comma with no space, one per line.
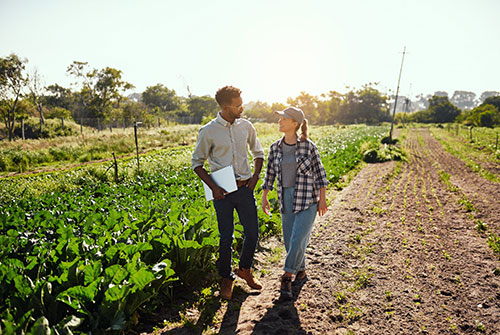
257,163
217,191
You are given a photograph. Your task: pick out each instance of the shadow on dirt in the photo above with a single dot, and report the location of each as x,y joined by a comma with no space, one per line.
282,318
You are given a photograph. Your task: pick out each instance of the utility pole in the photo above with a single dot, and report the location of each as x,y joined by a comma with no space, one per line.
397,92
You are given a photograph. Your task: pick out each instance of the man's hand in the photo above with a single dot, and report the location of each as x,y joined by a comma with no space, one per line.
252,182
218,192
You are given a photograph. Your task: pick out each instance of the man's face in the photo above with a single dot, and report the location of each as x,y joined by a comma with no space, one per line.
236,108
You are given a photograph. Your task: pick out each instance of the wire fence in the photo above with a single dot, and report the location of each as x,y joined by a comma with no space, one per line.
35,129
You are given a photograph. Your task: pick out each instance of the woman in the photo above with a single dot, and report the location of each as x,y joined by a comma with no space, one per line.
301,182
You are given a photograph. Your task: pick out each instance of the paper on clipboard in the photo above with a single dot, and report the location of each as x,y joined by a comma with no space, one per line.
224,178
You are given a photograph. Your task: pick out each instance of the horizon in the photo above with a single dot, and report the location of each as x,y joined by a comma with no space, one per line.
271,51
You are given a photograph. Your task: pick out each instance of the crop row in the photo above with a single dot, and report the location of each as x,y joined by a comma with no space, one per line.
93,258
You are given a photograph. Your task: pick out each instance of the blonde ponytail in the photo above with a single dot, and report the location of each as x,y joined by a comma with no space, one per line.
304,134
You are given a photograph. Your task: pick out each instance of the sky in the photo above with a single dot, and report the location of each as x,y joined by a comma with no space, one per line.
270,49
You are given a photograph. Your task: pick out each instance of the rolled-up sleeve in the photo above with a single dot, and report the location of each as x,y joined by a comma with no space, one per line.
201,150
254,144
270,172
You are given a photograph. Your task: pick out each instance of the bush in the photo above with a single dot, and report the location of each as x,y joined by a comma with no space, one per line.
370,156
50,129
20,161
388,140
4,163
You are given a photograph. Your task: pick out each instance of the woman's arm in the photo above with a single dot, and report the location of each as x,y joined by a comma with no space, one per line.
265,204
322,207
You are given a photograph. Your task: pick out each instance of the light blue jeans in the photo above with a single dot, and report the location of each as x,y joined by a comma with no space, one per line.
297,228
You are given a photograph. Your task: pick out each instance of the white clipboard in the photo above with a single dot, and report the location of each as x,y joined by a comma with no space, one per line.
223,178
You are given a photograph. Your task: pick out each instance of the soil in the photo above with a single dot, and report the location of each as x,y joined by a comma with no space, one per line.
397,253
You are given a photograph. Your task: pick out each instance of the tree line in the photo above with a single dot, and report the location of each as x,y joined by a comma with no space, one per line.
97,96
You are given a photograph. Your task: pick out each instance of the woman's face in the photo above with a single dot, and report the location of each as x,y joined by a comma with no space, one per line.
286,125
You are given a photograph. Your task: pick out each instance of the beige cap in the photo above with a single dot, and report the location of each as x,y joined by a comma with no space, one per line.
293,113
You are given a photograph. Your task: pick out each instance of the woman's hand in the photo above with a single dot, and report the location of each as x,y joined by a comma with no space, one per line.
322,207
265,204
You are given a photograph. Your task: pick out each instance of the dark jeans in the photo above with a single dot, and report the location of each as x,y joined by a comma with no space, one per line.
244,202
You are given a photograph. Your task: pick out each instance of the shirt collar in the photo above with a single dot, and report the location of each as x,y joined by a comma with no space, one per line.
225,123
283,140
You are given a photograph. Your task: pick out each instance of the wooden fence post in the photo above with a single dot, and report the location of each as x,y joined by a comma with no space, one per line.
136,145
116,168
22,128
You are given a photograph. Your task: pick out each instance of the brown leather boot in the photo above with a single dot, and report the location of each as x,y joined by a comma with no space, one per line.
247,275
300,278
286,288
226,289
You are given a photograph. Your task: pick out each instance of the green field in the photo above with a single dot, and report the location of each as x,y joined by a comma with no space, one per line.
83,253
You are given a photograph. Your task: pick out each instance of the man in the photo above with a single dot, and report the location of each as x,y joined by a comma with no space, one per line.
223,141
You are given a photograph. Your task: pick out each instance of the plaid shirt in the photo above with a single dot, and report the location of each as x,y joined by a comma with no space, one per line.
311,175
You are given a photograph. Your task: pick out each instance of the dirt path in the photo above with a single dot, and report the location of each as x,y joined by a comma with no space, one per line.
397,253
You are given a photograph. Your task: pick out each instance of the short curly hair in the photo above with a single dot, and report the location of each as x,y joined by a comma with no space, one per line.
225,95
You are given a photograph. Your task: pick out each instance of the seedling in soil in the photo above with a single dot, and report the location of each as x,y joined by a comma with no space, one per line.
363,280
419,227
481,226
480,326
340,297
494,243
378,211
446,256
469,207
408,262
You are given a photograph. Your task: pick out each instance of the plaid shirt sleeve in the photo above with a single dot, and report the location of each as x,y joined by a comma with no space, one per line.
320,178
270,171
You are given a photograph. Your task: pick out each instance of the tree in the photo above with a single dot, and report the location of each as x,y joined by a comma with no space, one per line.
334,102
133,111
36,89
198,107
493,100
421,102
485,115
12,83
259,110
161,97
486,94
463,99
100,88
58,96
442,110
366,105
441,94
422,116
309,105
